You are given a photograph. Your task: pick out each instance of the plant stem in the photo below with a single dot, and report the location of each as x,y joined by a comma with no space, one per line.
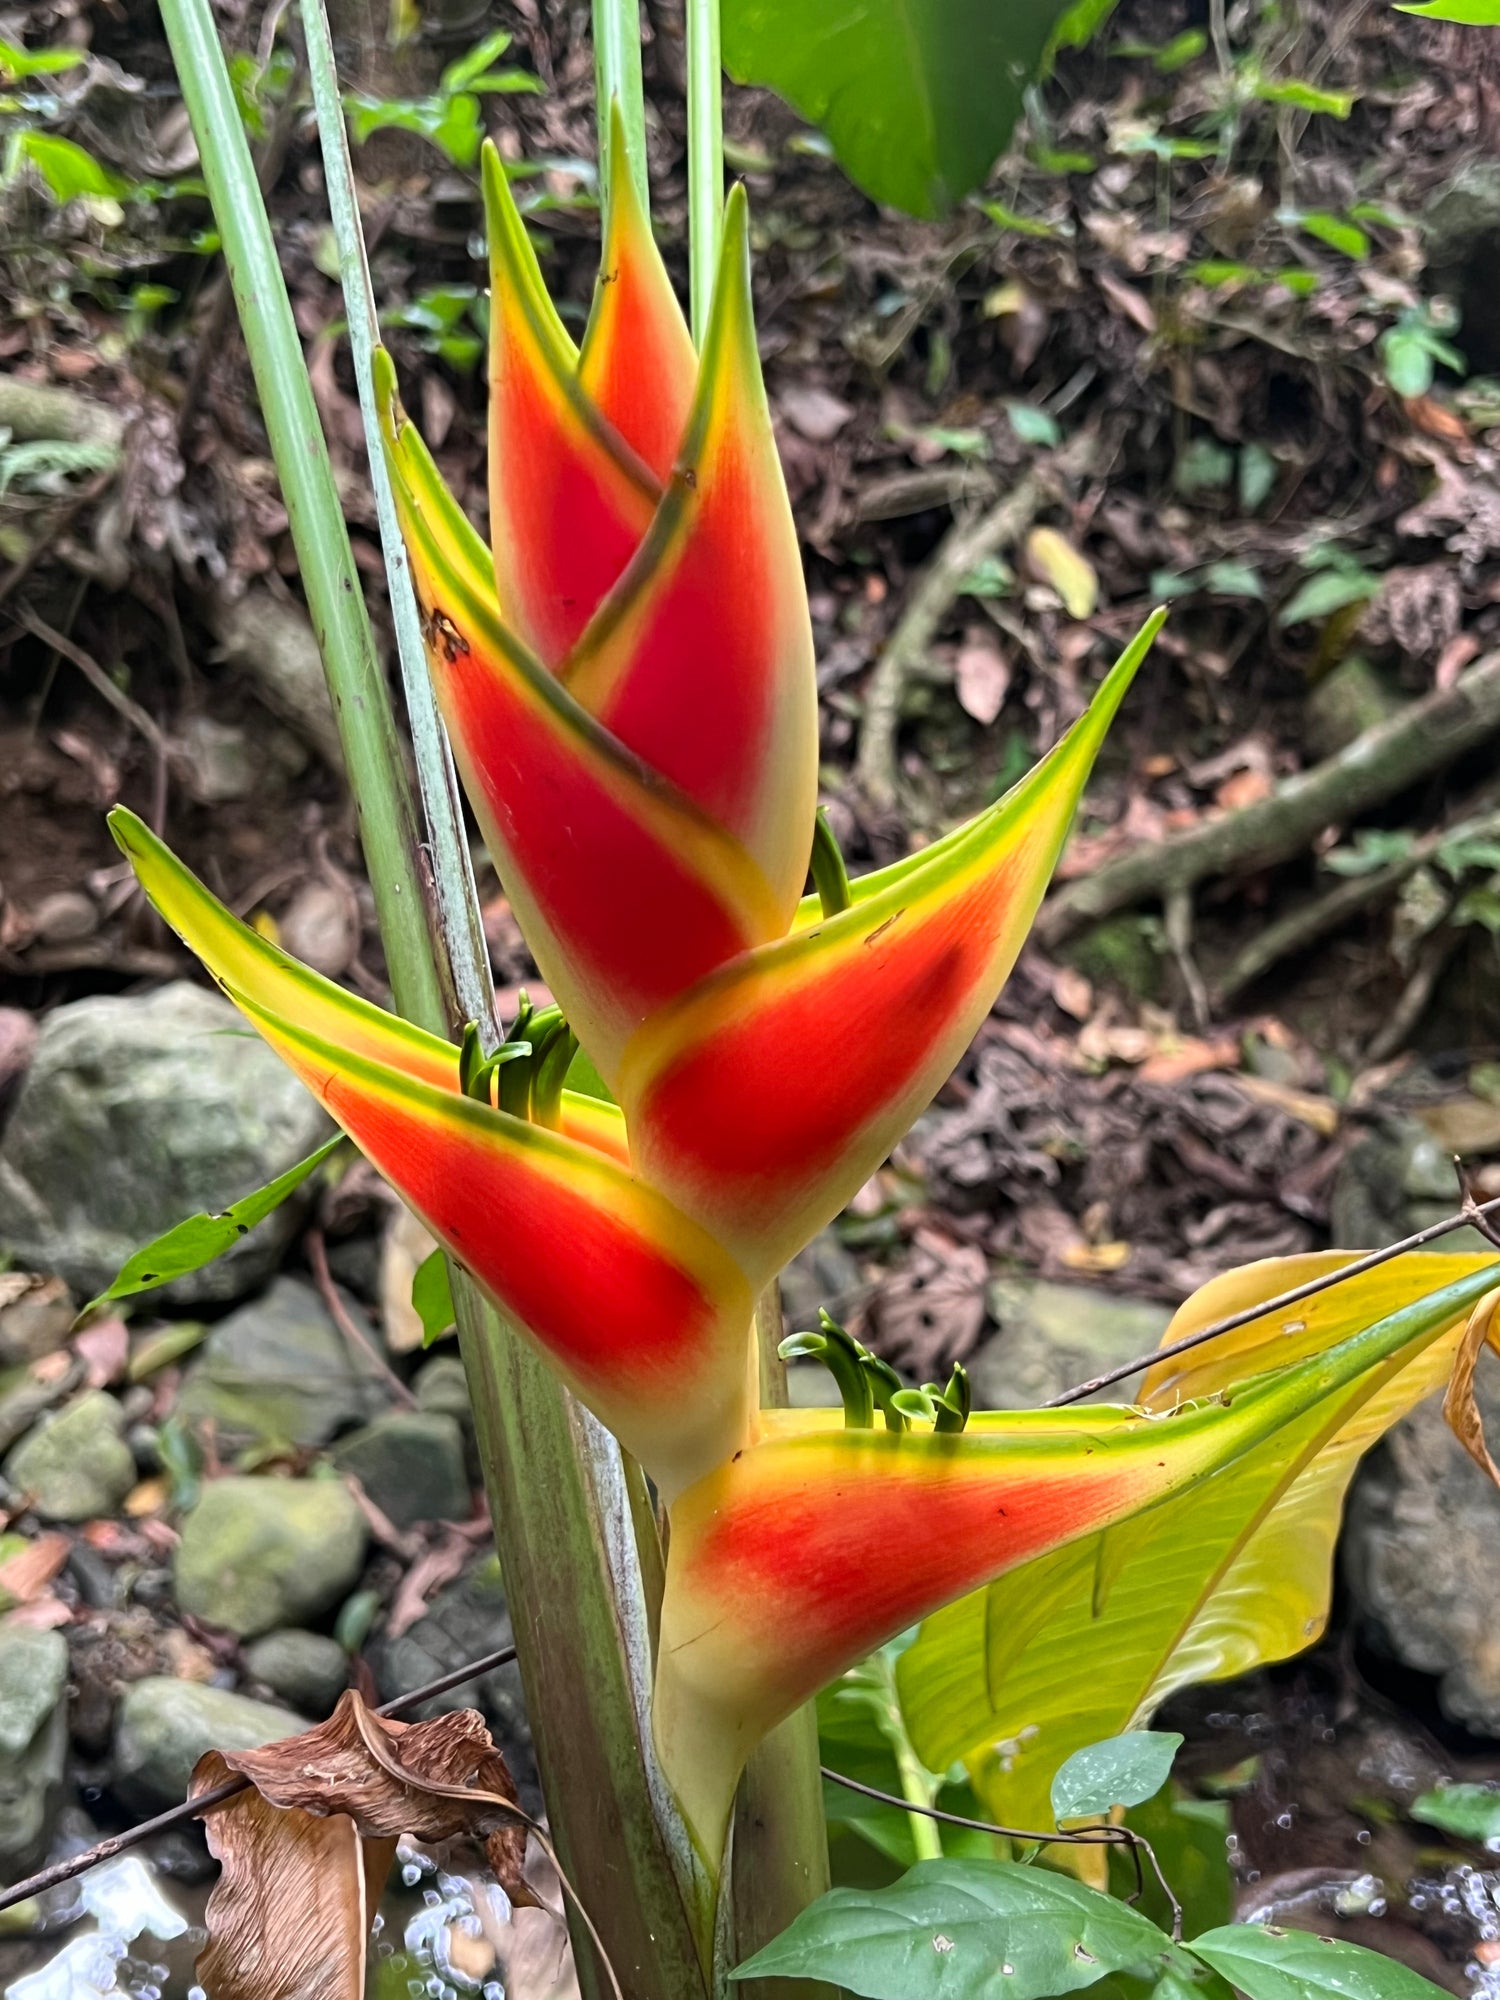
705,109
557,1484
372,753
617,77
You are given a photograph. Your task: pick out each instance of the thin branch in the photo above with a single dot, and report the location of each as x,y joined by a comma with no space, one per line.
348,1326
1085,1836
1468,1216
120,1843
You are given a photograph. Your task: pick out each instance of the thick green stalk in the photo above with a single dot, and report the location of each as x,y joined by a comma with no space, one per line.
705,109
557,1483
617,78
372,752
779,1849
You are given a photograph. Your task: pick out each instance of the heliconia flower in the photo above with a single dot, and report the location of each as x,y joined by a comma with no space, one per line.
635,1305
635,664
806,1551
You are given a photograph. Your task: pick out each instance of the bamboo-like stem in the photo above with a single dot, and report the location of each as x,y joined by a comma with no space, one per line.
557,1483
705,116
617,79
372,752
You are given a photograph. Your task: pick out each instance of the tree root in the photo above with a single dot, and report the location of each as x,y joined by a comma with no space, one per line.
1383,761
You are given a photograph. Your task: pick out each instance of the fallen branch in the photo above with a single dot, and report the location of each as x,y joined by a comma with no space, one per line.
1319,915
1385,760
38,410
962,549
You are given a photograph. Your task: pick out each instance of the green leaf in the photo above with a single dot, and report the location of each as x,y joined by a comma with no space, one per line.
1270,1964
202,1238
464,74
1472,1812
1211,1584
1233,579
68,170
1373,847
1329,591
1406,354
1257,475
432,1297
1031,425
965,1930
1468,13
1345,237
918,96
1306,96
1121,1771
1205,463
16,63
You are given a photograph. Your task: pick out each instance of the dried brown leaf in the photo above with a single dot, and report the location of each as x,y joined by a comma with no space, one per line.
435,1780
1460,1409
28,1572
290,1915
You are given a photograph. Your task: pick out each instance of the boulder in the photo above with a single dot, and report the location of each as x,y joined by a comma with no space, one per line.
464,1621
1419,1554
1053,1335
259,1553
411,1464
35,1316
307,1670
33,1741
75,1466
163,1726
137,1112
278,1372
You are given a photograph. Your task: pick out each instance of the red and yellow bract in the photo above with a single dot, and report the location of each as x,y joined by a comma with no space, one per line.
628,682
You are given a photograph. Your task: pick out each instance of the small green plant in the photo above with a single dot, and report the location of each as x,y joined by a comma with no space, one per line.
1411,350
449,118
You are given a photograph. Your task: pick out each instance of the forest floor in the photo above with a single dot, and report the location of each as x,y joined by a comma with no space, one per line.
1221,331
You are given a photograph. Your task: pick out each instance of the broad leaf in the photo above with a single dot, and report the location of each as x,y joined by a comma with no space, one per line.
188,1246
1471,1812
1210,1584
1271,1964
1122,1771
1468,13
965,1930
918,96
432,1296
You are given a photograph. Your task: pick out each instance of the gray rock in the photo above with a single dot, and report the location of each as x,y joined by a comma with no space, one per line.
442,1389
75,1466
138,1112
1353,698
258,1553
411,1464
305,1669
463,1622
278,1371
23,1399
824,1274
1053,1335
163,1726
33,1741
1464,215
1393,1182
1420,1554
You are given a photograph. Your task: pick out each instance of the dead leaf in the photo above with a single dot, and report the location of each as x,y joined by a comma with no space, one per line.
929,1313
28,1572
1127,300
42,1614
1189,1057
428,1573
1463,1125
981,677
1245,788
436,1780
104,1348
1321,1113
1072,992
1460,1409
291,1912
813,413
1070,574
1096,1257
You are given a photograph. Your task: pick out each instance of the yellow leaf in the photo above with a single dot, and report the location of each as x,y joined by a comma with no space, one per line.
1070,574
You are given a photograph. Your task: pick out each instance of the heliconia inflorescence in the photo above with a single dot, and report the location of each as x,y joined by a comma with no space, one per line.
627,679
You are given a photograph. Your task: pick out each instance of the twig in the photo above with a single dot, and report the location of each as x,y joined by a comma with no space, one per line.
144,724
1321,914
1463,1218
348,1326
120,1843
1412,1001
962,549
1381,762
1087,1836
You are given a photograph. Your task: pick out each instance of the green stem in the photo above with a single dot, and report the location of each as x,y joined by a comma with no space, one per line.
617,79
917,1789
372,753
705,109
